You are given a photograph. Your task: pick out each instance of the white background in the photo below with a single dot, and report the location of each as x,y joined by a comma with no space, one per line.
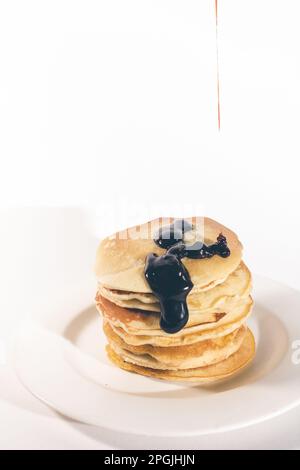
109,107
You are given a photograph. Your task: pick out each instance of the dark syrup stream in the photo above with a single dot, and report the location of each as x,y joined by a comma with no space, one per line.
218,76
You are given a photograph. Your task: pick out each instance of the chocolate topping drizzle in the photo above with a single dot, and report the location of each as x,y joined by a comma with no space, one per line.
170,283
168,277
171,234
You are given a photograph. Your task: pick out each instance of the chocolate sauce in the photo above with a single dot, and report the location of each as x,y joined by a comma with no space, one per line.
169,235
170,283
171,238
168,277
200,251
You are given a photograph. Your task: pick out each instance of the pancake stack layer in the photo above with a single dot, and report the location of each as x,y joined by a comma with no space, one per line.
214,344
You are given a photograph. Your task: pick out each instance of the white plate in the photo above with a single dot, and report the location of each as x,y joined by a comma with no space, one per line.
69,371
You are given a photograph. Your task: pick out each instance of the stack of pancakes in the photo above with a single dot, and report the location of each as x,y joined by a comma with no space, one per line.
214,344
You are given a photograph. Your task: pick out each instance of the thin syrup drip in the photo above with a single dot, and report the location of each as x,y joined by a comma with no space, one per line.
218,75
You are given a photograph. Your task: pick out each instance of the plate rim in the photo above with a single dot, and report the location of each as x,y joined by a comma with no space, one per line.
169,433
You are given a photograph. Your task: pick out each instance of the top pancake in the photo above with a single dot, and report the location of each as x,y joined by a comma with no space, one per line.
237,286
120,260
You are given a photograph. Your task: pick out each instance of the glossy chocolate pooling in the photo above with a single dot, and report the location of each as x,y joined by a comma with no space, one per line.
168,277
170,283
200,251
171,234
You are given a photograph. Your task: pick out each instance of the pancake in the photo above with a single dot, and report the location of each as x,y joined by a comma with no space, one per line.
199,354
120,260
205,302
140,322
236,286
201,375
180,340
